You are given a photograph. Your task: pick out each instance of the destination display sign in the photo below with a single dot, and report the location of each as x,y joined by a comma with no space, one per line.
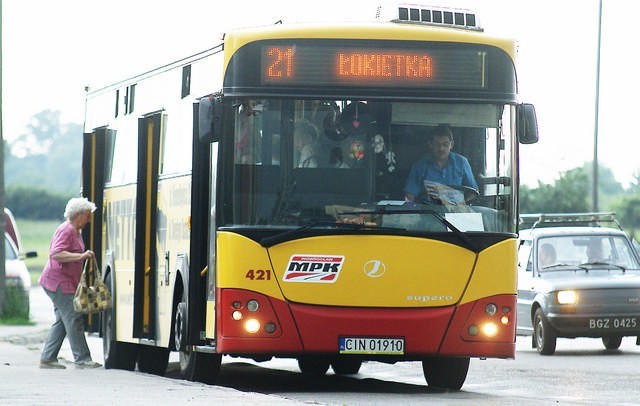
417,67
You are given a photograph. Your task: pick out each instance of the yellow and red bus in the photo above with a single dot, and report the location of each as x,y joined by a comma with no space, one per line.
251,200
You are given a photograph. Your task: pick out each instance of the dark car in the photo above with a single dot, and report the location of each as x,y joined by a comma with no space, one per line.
578,276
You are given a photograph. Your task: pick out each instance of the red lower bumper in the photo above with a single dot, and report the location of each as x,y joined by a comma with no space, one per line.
295,328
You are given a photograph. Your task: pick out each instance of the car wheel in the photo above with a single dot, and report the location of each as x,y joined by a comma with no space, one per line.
612,342
543,334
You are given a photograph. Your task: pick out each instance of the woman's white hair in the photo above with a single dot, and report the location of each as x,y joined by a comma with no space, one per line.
78,205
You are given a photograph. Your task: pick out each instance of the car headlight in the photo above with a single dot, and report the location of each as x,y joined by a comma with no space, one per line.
567,297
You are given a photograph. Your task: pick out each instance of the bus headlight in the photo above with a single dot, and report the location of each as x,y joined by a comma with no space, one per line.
253,305
252,326
490,329
270,327
490,319
491,309
248,314
567,297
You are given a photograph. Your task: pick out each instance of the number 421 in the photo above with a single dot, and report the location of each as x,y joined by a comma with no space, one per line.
258,274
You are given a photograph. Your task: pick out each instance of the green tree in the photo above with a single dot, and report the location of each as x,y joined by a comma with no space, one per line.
571,192
42,132
48,156
609,189
627,211
568,194
36,204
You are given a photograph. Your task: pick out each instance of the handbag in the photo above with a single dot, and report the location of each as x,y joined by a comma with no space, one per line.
93,298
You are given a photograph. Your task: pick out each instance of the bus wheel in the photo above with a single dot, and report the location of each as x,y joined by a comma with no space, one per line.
153,360
346,366
194,366
117,355
313,366
445,373
201,367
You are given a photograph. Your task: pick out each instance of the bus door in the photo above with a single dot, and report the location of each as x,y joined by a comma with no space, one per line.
145,270
197,282
94,153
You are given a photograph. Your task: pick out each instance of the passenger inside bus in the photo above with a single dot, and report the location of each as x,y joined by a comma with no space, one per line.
304,134
432,177
336,158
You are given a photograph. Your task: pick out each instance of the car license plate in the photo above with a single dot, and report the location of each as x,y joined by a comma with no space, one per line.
605,323
368,345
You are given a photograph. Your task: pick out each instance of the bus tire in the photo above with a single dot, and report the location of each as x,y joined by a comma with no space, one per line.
202,367
153,360
445,373
117,355
194,366
313,366
346,366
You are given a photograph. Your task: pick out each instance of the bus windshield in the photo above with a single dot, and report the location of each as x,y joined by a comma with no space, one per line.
303,161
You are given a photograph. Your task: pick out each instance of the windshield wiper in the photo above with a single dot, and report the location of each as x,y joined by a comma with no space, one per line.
585,266
290,234
558,265
602,263
465,238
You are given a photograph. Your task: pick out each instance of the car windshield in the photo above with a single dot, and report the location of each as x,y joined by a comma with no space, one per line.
301,162
585,251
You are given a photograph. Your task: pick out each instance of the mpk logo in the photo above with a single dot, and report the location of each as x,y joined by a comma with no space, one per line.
313,268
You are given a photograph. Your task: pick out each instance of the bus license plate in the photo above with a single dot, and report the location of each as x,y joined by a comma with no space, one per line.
614,323
377,346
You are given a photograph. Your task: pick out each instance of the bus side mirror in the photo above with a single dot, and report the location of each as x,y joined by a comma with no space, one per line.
210,119
527,124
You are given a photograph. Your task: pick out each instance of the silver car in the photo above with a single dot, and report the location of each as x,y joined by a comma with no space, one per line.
578,276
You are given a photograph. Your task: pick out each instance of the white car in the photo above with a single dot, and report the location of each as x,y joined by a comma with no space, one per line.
17,278
577,278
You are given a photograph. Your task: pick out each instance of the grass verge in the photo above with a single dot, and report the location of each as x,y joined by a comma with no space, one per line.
15,311
16,321
36,236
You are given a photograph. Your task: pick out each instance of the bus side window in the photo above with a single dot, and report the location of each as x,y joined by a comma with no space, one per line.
248,131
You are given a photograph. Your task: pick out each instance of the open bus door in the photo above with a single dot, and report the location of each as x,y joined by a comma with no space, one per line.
202,364
93,180
197,284
145,272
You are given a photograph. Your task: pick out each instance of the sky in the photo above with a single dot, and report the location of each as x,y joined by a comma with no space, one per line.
51,50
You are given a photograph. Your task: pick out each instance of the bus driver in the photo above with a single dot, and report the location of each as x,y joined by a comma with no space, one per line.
441,167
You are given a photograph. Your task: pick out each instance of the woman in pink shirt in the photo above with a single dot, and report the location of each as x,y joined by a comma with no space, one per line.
60,279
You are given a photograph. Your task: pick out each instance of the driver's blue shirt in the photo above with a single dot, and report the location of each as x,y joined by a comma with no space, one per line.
457,172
